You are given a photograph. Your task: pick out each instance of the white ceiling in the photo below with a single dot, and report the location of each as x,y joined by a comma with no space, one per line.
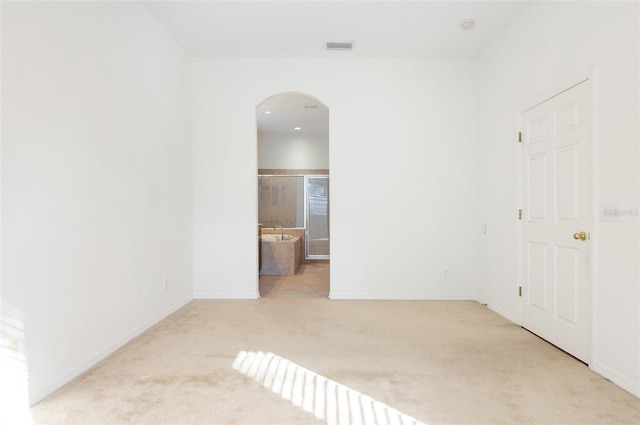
290,110
278,28
213,28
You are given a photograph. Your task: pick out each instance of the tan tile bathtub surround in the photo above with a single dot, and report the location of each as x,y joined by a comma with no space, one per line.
294,232
280,258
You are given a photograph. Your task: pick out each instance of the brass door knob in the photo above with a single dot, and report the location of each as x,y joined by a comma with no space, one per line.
580,236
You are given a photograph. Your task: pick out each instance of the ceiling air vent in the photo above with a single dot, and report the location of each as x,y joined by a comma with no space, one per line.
339,45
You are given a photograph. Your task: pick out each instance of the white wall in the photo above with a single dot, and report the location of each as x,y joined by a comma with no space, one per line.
96,180
548,47
98,191
293,151
402,155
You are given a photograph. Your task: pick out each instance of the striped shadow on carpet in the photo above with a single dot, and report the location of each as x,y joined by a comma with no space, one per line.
326,399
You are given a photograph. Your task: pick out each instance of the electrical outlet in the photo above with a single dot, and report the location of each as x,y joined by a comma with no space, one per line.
165,283
445,272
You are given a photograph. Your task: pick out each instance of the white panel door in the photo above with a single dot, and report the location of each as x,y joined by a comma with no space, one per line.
556,295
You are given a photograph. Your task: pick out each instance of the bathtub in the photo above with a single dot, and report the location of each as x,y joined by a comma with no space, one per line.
280,257
276,237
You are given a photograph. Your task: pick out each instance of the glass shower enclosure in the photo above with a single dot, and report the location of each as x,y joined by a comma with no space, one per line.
297,202
317,223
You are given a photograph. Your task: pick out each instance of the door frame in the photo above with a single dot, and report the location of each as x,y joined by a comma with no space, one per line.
257,167
591,78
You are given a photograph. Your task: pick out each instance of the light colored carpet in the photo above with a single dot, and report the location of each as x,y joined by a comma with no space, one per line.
440,362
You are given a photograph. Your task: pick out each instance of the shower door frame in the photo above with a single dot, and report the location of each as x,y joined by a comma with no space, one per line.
307,239
305,227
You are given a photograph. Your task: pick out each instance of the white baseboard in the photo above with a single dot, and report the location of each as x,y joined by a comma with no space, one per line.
400,296
499,311
606,372
623,382
226,295
96,358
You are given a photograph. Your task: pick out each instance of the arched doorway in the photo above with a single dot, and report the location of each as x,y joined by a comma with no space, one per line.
293,196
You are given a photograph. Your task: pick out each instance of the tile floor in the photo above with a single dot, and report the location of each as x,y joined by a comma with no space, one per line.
311,281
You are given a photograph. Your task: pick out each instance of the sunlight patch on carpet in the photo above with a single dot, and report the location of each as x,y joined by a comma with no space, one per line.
14,374
325,399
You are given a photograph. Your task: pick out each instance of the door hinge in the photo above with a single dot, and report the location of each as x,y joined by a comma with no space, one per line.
519,291
519,214
519,136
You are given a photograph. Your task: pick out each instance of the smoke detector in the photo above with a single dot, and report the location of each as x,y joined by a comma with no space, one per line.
467,24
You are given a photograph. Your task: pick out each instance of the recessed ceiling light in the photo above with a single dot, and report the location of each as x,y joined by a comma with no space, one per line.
467,24
267,112
297,128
